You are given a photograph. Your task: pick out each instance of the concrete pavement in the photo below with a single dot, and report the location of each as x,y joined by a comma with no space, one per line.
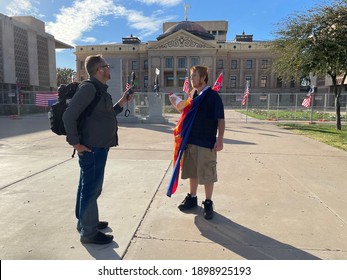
279,196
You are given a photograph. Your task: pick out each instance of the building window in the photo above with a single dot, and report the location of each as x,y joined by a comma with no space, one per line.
145,81
169,80
249,64
145,64
195,61
21,54
249,81
233,81
182,62
292,83
43,60
81,65
279,83
234,64
134,65
168,62
264,63
263,81
220,64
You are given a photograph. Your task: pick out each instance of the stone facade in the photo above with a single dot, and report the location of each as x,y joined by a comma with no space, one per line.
27,53
178,49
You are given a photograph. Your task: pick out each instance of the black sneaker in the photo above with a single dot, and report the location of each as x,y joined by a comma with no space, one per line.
101,225
99,238
208,209
188,203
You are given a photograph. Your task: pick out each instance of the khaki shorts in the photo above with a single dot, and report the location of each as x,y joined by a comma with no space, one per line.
200,163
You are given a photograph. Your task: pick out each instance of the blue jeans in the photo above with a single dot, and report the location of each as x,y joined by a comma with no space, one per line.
92,166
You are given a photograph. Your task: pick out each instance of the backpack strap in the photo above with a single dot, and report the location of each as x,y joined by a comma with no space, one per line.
89,110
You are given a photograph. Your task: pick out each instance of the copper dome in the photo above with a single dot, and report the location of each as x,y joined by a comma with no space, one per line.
189,26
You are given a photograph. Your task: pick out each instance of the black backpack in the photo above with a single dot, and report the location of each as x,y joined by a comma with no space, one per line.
65,93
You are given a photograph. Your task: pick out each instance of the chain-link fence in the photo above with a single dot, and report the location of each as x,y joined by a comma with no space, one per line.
272,106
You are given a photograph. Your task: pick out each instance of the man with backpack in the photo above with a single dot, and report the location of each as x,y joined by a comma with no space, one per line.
92,142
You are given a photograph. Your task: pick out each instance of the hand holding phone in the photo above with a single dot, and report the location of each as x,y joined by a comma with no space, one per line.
132,84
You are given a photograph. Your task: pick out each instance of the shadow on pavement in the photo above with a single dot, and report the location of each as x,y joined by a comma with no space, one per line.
103,252
247,243
236,142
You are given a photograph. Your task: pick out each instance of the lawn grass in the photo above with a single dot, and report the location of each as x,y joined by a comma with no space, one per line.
325,133
263,114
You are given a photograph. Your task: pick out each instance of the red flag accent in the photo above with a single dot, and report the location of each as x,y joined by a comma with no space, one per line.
186,86
245,95
127,86
307,101
218,83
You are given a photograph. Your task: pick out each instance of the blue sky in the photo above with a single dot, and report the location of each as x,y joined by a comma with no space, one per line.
85,22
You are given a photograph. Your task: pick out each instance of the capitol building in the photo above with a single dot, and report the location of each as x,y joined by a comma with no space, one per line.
185,44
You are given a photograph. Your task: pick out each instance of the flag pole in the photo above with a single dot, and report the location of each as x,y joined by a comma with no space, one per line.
247,109
247,86
18,99
311,113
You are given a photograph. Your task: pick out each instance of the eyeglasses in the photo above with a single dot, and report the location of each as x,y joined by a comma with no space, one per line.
106,65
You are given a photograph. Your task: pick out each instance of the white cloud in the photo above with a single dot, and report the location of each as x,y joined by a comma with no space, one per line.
166,3
148,25
88,40
82,16
71,22
22,7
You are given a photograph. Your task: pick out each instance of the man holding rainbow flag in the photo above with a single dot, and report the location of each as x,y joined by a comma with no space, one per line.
196,144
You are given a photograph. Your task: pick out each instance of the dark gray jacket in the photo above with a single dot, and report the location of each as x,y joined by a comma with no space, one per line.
100,128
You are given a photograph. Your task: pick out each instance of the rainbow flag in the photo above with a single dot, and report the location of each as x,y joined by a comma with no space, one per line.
181,135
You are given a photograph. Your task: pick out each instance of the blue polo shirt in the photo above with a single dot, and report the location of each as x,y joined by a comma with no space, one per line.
204,128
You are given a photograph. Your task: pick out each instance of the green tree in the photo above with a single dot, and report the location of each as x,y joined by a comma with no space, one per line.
314,43
64,75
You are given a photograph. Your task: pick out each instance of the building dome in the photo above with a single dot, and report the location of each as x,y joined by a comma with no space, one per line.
189,26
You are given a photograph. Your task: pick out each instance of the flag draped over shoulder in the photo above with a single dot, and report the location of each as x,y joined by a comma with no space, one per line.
181,134
218,83
186,86
307,101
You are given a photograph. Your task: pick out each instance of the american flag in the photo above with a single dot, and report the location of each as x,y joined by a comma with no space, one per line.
46,99
307,101
186,85
245,95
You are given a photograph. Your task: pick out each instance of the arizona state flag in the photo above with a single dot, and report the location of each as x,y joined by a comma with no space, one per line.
181,135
